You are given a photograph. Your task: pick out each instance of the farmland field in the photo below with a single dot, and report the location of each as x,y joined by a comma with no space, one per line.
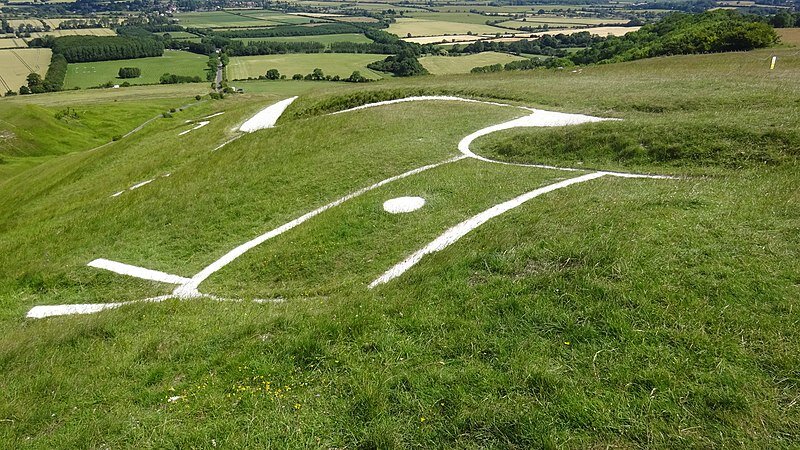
12,43
323,39
16,64
789,35
342,64
421,27
76,32
559,22
238,19
445,65
92,74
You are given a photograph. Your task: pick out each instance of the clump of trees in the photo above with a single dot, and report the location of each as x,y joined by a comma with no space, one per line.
683,34
677,34
273,74
404,64
129,72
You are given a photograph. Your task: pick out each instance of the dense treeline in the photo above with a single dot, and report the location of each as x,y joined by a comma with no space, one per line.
545,45
372,47
683,34
102,48
238,48
169,78
56,73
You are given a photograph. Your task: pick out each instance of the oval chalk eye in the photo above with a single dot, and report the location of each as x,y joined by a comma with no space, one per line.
403,204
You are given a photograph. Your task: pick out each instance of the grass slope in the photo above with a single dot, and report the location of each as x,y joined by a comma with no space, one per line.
84,75
632,313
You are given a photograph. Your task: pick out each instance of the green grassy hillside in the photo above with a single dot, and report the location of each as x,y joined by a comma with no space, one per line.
617,312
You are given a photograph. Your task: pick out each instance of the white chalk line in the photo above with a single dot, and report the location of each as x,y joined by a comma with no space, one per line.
40,312
419,98
537,118
138,272
138,185
455,233
199,125
213,115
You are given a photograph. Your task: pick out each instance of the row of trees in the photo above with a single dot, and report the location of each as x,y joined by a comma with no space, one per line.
543,45
101,48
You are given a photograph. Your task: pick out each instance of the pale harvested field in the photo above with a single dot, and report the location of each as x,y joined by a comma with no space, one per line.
421,27
82,32
446,65
16,64
513,37
17,22
789,35
12,43
600,31
445,38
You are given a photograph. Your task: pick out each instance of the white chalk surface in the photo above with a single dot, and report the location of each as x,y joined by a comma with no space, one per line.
403,204
267,117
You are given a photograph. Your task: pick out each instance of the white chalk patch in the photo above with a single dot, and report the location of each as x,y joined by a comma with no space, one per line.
174,398
138,272
189,289
267,117
457,232
403,204
198,126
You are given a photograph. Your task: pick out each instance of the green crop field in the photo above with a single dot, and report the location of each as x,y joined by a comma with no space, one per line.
326,39
16,64
421,27
342,64
523,312
84,75
445,65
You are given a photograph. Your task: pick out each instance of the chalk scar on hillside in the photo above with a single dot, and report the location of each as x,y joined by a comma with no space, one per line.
267,118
